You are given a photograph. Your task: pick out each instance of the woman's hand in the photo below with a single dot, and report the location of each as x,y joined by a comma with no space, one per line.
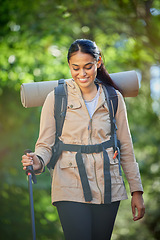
137,203
31,159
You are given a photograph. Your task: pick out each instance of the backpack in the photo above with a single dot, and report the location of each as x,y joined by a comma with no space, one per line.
60,108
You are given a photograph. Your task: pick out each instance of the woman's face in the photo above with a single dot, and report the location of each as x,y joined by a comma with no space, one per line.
83,69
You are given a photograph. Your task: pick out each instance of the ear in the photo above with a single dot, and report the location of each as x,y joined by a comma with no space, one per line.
99,62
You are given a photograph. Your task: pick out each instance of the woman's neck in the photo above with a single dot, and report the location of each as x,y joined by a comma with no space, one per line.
89,93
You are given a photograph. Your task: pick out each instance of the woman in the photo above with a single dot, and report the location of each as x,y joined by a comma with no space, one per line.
83,215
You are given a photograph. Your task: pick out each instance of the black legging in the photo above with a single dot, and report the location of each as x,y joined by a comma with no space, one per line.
82,221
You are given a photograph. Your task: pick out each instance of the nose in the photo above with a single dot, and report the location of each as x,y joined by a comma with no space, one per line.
82,72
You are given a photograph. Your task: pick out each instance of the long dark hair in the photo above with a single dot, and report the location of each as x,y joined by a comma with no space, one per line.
90,47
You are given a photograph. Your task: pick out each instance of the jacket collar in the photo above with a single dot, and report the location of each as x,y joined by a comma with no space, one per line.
74,89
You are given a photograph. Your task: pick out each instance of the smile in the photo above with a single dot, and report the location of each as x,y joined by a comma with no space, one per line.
83,79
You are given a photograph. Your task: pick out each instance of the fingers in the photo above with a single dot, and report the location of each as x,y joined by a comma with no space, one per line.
138,208
31,159
133,212
141,212
27,160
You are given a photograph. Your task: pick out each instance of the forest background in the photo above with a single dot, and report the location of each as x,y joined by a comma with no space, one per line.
34,38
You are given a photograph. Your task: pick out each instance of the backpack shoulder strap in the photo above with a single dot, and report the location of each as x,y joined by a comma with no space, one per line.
60,106
112,99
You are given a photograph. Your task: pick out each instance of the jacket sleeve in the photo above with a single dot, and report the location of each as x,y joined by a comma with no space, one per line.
46,139
128,161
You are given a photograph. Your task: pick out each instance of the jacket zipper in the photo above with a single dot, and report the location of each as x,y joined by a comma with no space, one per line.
90,128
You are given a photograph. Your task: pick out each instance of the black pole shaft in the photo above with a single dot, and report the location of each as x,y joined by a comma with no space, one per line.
31,205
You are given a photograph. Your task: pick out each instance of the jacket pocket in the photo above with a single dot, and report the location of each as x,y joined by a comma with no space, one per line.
73,104
115,176
69,176
67,163
114,169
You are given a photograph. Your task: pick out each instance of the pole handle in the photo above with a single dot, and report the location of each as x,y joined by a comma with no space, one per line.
29,169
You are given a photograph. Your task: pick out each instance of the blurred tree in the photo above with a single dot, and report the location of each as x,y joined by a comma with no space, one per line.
34,38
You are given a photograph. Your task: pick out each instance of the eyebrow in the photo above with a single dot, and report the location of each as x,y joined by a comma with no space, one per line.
84,65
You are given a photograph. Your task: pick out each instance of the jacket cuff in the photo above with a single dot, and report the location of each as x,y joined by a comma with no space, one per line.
137,191
42,169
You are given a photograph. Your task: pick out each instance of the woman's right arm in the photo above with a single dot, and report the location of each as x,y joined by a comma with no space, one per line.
46,139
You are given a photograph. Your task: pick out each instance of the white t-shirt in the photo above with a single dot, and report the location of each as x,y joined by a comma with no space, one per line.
91,105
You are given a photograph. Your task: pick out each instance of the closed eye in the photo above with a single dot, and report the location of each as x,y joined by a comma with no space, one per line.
88,67
75,69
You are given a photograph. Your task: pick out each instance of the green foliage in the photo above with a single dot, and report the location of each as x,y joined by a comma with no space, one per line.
15,214
34,39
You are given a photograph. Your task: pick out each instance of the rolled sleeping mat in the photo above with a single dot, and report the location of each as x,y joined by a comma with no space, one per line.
34,94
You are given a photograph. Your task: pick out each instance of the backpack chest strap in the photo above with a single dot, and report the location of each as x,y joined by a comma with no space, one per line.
88,149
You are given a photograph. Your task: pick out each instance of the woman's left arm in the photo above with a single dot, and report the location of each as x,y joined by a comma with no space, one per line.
128,161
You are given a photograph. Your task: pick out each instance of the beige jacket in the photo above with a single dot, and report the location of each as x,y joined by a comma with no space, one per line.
79,128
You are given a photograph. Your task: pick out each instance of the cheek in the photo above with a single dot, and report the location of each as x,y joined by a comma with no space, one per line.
93,72
73,73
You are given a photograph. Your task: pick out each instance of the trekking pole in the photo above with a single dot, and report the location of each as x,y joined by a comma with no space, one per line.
31,177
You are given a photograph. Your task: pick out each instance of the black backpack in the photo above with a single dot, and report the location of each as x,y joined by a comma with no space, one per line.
60,108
